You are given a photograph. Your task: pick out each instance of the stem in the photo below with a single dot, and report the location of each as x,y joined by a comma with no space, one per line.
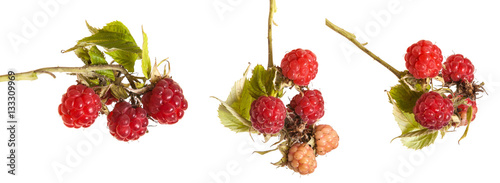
32,75
270,22
351,37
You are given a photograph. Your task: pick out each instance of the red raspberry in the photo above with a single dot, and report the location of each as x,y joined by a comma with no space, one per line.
423,59
310,106
126,122
326,138
433,111
301,158
300,66
166,102
268,114
457,68
462,111
79,107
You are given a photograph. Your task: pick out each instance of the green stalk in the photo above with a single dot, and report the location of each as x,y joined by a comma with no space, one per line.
33,75
351,37
270,22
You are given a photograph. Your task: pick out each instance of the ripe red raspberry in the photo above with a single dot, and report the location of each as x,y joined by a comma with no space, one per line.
79,107
268,114
166,102
462,111
300,66
457,68
423,59
433,111
301,158
310,106
126,122
326,138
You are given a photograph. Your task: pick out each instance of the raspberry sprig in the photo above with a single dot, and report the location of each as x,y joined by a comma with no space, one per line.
101,83
254,105
421,108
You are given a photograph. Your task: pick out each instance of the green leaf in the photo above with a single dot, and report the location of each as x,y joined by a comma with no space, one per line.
416,133
413,135
263,82
83,54
421,141
124,58
146,62
404,97
118,92
97,58
469,119
406,121
92,30
113,35
231,119
243,105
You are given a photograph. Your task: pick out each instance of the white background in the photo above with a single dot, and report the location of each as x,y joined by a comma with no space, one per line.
209,49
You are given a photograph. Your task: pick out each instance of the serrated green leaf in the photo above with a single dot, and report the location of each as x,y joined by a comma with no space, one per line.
420,142
406,121
146,62
231,119
404,97
243,105
83,54
92,30
113,35
97,58
469,119
416,133
263,82
124,58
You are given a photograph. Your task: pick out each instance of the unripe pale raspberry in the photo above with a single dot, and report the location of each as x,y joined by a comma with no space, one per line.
79,107
458,68
267,114
423,59
300,66
326,138
310,106
462,111
301,158
127,123
433,111
166,102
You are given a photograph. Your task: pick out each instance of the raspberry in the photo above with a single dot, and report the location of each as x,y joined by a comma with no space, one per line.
166,102
457,68
423,59
462,111
310,106
326,138
301,158
79,107
268,114
433,111
126,122
300,66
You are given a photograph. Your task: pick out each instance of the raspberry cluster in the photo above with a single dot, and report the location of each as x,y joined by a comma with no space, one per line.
432,110
295,123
